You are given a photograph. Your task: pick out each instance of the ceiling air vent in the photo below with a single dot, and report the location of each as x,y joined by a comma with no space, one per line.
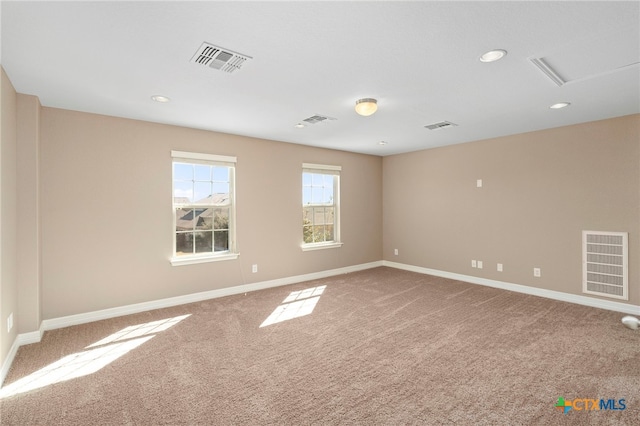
219,58
314,119
548,71
440,125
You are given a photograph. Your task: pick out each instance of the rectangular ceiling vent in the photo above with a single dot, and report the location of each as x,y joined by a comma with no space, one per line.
548,71
440,125
219,58
314,119
605,270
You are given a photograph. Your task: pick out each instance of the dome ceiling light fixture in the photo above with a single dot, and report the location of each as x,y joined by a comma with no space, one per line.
366,106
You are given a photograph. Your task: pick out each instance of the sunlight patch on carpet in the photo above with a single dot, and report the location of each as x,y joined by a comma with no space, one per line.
98,355
296,304
139,330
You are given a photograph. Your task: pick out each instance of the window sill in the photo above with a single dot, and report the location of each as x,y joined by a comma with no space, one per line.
191,260
320,246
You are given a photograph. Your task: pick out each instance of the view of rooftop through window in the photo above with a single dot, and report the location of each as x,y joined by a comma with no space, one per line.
318,213
201,197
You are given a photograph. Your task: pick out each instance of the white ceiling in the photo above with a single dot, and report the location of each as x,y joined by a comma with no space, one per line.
419,59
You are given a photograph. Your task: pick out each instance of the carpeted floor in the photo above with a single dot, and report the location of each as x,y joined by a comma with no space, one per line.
377,347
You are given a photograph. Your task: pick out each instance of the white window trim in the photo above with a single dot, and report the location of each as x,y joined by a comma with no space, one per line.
192,260
208,159
205,157
334,171
321,246
320,167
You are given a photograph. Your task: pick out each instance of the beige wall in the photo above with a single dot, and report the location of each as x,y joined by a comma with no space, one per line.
28,245
540,190
8,215
107,222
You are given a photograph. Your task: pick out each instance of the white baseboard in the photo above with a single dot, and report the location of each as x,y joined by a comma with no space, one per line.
534,291
21,339
66,321
8,361
70,320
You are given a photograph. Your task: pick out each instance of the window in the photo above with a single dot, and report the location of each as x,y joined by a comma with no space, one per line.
320,206
203,208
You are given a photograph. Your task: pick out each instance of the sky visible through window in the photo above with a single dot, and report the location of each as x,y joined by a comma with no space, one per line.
317,188
197,182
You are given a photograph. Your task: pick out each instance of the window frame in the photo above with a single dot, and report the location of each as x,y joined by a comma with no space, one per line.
335,172
209,160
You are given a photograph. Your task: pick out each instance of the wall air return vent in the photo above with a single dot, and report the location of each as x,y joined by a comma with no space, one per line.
314,119
440,125
219,58
605,264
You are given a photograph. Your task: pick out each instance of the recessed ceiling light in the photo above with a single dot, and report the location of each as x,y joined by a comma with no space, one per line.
299,126
382,143
493,55
160,98
560,105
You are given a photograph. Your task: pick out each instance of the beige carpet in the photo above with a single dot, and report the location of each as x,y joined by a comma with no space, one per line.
381,347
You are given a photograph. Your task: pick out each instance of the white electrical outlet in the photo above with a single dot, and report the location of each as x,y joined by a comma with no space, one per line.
395,251
479,183
9,322
474,264
536,272
499,267
254,268
479,264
